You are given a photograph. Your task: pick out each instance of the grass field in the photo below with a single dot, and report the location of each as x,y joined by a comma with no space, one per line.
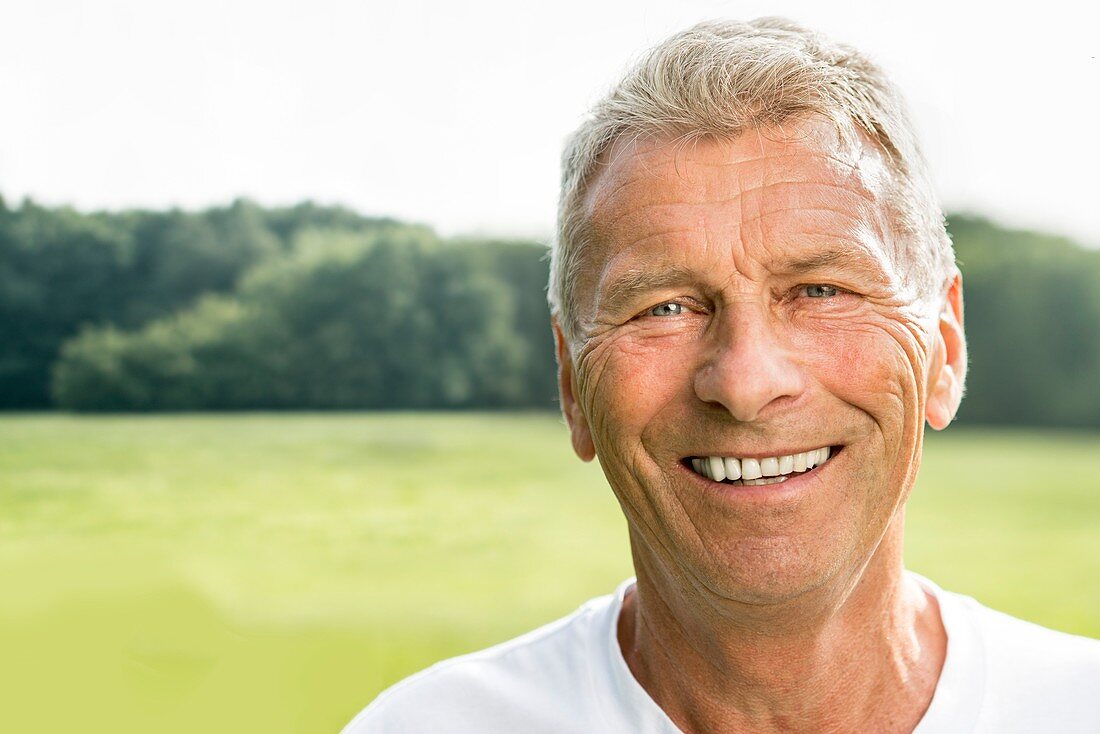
274,572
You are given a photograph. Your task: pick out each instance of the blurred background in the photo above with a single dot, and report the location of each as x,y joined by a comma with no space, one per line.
278,415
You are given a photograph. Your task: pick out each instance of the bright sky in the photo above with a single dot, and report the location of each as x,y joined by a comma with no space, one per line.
453,113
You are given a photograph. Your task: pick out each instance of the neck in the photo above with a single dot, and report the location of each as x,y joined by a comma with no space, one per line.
858,654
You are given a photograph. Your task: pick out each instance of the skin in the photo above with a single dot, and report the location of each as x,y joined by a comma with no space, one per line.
741,299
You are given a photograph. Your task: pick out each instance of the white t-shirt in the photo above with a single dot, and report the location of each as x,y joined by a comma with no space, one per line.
1001,675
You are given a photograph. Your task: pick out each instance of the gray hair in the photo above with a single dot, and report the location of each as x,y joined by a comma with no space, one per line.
722,78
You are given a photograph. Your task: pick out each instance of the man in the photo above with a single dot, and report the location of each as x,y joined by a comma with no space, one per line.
757,309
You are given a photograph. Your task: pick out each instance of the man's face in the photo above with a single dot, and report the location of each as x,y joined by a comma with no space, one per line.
740,302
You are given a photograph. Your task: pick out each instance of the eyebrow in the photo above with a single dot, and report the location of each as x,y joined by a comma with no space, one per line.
843,258
631,283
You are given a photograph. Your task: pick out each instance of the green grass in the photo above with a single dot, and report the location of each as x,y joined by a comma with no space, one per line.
274,572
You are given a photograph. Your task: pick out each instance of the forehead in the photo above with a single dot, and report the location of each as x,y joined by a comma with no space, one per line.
771,189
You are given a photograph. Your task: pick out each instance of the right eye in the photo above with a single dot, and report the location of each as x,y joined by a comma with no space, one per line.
670,308
819,290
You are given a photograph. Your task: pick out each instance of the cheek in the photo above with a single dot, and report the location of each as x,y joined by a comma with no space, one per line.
873,366
876,369
625,382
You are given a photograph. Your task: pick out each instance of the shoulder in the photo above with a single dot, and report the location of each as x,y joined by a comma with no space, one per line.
1038,655
1008,642
535,682
1035,678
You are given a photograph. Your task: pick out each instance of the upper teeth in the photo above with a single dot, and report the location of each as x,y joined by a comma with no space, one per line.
721,468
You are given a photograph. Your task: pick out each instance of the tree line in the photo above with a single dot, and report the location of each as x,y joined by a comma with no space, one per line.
315,307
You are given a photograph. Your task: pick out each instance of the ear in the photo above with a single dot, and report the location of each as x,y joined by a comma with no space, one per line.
570,408
948,372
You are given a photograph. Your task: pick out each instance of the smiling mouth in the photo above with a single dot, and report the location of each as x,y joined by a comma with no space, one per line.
759,471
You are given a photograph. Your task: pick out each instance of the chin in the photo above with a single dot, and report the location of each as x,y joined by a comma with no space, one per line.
771,571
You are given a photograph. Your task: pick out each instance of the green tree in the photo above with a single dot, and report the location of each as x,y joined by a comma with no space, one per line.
1032,323
393,320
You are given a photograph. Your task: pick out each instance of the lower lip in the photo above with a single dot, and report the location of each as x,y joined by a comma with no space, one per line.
792,486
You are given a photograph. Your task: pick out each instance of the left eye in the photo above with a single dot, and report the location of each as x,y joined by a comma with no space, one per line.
820,291
667,309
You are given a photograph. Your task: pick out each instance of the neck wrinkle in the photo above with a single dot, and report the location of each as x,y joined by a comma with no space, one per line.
857,654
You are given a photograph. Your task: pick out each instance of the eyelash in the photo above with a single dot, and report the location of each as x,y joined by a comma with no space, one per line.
677,304
836,290
801,291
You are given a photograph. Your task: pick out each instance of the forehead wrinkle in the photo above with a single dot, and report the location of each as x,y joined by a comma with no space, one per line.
809,137
863,184
609,226
623,171
619,164
852,229
637,212
615,176
851,179
809,195
833,161
825,177
836,213
642,241
814,227
834,239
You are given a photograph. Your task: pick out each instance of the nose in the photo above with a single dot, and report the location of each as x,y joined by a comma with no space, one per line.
747,367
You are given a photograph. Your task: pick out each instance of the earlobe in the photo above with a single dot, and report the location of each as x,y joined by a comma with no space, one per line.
570,408
948,373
